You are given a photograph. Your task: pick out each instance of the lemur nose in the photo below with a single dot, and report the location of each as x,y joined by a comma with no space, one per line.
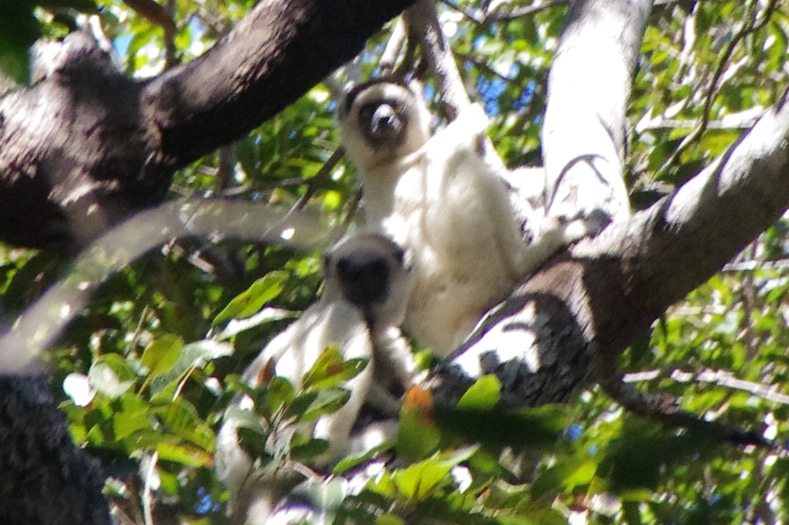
385,116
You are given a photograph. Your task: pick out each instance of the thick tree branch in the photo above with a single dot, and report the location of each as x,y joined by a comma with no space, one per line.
563,328
87,146
41,323
423,23
274,55
583,138
567,324
685,238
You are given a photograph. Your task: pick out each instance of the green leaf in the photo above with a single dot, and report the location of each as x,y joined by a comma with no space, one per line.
330,369
280,394
180,418
352,461
266,315
18,31
184,454
389,519
162,354
309,449
523,428
423,479
111,375
417,434
193,355
484,394
250,301
253,442
312,405
130,416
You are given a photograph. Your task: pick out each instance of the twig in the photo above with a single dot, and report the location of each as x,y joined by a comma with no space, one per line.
665,409
751,24
324,173
153,12
750,266
147,492
393,47
491,14
718,377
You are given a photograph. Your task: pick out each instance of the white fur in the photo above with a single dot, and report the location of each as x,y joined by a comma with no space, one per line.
369,332
436,196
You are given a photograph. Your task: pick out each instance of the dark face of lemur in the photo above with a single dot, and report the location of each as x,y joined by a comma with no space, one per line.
365,277
383,121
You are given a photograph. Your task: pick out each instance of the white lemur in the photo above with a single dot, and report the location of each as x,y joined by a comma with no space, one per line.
367,282
436,196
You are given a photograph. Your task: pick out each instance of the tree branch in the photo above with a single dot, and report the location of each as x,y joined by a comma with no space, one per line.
564,327
86,147
583,138
42,322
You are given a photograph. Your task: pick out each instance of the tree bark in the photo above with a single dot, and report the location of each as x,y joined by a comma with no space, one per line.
86,147
46,479
564,327
583,139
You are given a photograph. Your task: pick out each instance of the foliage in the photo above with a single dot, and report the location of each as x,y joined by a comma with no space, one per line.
151,365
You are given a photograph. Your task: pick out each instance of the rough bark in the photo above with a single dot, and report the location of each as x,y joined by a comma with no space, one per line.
86,146
567,324
46,479
564,327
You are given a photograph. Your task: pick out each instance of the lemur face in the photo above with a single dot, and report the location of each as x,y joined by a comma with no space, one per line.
381,120
370,272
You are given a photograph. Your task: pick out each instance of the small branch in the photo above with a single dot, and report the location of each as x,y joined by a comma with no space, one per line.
393,47
524,11
751,24
41,323
154,13
664,408
722,378
324,174
750,266
492,14
147,492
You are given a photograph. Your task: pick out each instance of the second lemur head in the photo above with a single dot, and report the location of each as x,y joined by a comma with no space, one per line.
381,121
373,274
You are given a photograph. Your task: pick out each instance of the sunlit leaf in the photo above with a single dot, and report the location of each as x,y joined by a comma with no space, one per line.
417,434
111,375
162,354
252,300
483,394
330,369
